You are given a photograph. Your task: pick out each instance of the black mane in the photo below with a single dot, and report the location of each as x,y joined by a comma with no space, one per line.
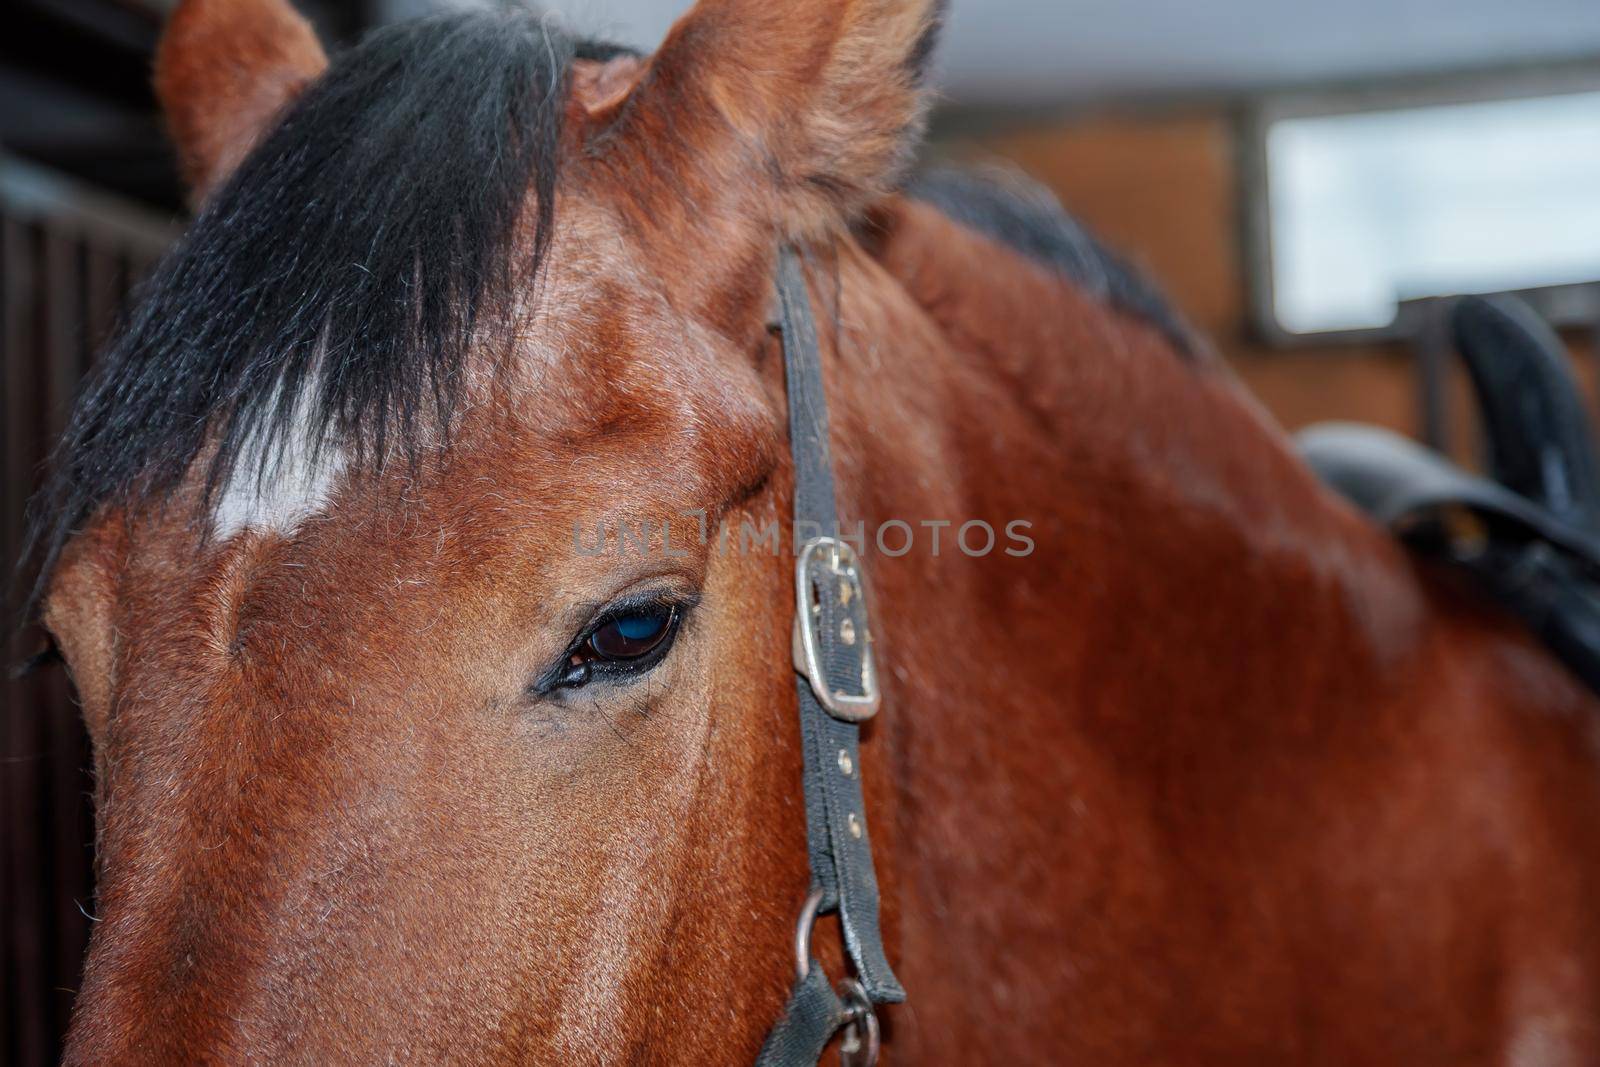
346,268
1017,211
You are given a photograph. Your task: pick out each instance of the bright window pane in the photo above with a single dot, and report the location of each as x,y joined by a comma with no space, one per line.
1371,209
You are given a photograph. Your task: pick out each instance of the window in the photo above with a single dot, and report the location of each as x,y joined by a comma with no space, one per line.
1365,210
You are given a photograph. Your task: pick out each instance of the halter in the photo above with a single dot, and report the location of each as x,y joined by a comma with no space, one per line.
837,684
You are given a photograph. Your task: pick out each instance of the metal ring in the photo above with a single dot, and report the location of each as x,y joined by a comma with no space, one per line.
858,1047
860,1043
802,933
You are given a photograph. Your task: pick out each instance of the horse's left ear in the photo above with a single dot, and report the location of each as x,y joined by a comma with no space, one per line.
818,103
224,71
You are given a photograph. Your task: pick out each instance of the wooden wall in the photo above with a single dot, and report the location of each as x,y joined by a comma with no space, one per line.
68,259
1163,186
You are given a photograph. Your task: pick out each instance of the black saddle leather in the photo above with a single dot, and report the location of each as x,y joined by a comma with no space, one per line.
1530,533
1537,435
1408,487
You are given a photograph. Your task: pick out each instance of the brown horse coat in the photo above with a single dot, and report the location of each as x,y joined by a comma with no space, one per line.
1215,774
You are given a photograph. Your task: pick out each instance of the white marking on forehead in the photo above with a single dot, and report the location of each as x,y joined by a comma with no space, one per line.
294,484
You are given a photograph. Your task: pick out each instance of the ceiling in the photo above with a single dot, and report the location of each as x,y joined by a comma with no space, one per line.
1061,51
75,82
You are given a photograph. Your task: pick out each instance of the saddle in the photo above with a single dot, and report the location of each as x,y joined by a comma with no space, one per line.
1529,530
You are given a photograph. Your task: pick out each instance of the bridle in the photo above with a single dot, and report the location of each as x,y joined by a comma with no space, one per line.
837,684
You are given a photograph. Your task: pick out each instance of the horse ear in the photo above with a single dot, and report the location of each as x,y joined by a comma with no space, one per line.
818,102
224,70
77,610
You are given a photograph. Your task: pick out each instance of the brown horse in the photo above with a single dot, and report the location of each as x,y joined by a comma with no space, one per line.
403,754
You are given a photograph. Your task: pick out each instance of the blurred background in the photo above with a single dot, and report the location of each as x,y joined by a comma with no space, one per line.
1306,180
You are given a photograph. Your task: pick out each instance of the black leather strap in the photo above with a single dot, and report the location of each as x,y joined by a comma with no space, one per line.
813,1015
814,497
838,842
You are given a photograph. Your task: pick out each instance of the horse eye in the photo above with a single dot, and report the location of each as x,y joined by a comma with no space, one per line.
629,642
633,635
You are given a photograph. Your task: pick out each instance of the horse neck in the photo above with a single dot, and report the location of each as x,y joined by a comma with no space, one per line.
1085,752
1175,530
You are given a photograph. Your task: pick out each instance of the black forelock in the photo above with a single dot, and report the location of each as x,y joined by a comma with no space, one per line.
1017,211
336,283
347,267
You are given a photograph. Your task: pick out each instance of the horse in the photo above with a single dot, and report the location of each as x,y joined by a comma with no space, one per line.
414,550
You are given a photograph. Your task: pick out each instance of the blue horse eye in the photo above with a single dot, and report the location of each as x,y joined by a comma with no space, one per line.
641,627
631,636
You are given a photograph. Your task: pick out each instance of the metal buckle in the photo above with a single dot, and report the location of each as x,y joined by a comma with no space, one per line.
831,617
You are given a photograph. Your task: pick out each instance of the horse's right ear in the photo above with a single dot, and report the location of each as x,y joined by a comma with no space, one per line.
224,71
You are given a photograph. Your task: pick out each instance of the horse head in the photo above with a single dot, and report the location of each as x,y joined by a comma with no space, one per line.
431,713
